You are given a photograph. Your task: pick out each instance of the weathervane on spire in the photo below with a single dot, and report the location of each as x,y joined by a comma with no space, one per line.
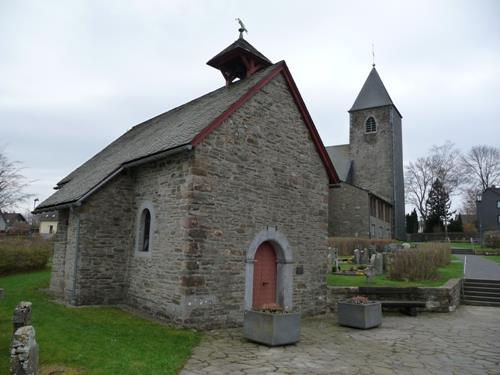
242,28
373,55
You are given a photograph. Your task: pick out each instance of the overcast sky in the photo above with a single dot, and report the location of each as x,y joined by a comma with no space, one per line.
75,75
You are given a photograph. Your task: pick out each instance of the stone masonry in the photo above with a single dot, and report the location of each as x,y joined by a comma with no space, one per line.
24,352
265,174
349,211
378,158
258,170
22,315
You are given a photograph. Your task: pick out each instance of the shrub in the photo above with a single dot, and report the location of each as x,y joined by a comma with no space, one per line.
418,264
492,239
21,254
346,245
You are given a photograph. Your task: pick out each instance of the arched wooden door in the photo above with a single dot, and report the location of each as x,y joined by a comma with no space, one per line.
264,276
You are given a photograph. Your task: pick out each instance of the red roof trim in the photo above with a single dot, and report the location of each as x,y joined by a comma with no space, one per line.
235,106
320,147
283,69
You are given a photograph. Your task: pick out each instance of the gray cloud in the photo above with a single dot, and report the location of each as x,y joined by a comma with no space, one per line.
76,75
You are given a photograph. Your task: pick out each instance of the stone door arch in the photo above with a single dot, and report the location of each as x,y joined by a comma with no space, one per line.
284,267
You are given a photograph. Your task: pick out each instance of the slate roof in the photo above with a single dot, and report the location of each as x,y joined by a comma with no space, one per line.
340,157
169,130
238,44
373,94
13,217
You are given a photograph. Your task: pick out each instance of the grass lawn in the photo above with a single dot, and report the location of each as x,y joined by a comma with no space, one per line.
494,258
476,246
453,270
91,340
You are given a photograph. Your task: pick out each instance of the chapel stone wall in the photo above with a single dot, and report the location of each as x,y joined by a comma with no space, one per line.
258,170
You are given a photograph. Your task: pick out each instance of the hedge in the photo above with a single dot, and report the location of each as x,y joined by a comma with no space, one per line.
22,254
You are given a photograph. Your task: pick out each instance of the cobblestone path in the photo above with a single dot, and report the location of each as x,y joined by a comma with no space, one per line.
464,342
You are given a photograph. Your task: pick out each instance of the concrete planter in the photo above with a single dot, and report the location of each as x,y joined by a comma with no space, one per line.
362,316
272,329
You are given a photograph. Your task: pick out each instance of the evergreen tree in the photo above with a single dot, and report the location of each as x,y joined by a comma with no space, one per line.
456,225
438,205
414,221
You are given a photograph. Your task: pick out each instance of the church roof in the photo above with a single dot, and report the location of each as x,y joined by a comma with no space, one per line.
373,94
238,45
178,129
340,157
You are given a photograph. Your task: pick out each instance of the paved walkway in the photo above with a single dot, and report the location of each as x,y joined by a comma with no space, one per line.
464,342
479,267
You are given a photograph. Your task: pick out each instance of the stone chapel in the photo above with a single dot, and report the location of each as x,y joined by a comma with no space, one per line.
214,207
369,201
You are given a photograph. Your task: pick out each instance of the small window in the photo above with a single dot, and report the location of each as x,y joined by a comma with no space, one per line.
498,219
51,229
145,230
370,125
498,204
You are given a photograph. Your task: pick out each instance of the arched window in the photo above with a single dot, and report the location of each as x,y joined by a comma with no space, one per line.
370,125
145,229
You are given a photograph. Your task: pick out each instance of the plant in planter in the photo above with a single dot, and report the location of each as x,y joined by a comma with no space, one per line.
359,312
272,325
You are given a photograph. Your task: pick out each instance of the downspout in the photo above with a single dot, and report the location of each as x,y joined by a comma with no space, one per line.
369,216
77,255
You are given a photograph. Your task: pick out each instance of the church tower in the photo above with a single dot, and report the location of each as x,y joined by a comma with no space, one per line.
376,149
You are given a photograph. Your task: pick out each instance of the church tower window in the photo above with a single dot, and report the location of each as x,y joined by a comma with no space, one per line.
370,125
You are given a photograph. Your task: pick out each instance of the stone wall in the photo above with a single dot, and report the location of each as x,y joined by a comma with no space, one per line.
59,255
105,236
156,278
378,159
91,247
349,211
445,298
399,229
258,170
372,153
383,229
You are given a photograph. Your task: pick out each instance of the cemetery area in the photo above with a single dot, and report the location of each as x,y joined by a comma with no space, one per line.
89,340
385,263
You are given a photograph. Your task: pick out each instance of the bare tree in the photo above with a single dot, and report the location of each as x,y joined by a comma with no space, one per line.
445,166
469,200
481,166
441,163
12,183
418,183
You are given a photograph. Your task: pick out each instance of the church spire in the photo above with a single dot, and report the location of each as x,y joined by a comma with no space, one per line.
240,59
373,93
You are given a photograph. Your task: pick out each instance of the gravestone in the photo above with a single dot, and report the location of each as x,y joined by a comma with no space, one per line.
22,315
357,256
24,352
378,263
333,259
365,258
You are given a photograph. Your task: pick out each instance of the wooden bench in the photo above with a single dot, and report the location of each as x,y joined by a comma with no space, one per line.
404,298
407,307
